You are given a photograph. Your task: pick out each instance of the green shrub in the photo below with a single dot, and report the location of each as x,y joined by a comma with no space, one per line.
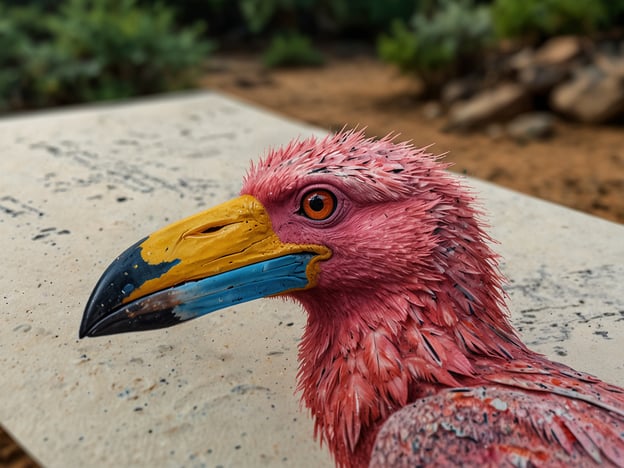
259,13
537,19
614,10
94,50
19,29
363,16
291,50
322,15
440,46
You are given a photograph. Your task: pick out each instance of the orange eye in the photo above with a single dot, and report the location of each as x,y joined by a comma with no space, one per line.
318,204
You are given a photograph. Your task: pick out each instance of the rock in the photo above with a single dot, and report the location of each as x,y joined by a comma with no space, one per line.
456,90
546,67
540,79
591,96
559,50
495,131
498,104
432,110
612,65
521,60
531,126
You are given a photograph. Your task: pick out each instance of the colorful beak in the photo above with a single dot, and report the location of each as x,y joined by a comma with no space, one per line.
220,257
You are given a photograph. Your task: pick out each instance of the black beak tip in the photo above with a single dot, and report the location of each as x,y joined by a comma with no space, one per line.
105,313
92,329
89,321
104,299
131,318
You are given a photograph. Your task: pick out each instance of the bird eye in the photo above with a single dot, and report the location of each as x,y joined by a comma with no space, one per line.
318,204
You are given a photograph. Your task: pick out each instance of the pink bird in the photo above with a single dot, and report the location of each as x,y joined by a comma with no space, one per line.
408,357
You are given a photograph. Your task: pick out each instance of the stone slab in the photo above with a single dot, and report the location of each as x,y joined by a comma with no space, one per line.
78,186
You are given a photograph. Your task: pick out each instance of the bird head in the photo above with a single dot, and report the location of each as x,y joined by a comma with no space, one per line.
331,221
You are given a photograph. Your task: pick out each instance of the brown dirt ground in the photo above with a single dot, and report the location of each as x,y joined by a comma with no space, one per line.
11,455
581,167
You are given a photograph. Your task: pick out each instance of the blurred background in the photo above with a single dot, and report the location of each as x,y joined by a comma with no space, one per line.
528,94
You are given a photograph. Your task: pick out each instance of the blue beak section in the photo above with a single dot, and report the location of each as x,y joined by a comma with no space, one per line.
241,285
194,299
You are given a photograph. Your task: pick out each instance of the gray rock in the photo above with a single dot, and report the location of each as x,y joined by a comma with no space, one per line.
531,126
551,64
559,50
611,64
591,96
521,59
498,104
495,131
457,90
540,79
432,110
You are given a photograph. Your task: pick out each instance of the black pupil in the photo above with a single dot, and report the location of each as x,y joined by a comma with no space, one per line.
316,202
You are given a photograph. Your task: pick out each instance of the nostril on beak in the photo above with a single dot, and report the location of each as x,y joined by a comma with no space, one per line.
205,230
211,229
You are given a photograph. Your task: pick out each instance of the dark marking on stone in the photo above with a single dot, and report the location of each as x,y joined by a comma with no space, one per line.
242,389
14,208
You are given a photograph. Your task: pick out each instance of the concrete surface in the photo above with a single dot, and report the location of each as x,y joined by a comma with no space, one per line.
79,186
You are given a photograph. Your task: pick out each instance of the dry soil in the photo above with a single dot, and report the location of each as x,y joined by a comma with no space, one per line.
581,166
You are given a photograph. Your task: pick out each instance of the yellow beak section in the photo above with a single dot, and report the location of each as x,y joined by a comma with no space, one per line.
224,256
234,234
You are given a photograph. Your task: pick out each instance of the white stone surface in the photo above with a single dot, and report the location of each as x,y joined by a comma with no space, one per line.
79,186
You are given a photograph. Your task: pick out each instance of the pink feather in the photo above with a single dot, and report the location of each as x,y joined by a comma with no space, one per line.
408,357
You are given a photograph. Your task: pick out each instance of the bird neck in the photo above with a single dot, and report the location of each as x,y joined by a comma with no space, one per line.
364,356
344,369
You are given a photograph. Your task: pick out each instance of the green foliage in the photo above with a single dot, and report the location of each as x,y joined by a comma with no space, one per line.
366,15
17,28
333,15
292,50
614,12
258,13
536,19
439,46
94,50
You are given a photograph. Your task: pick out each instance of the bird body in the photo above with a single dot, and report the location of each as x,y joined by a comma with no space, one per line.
446,402
408,357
